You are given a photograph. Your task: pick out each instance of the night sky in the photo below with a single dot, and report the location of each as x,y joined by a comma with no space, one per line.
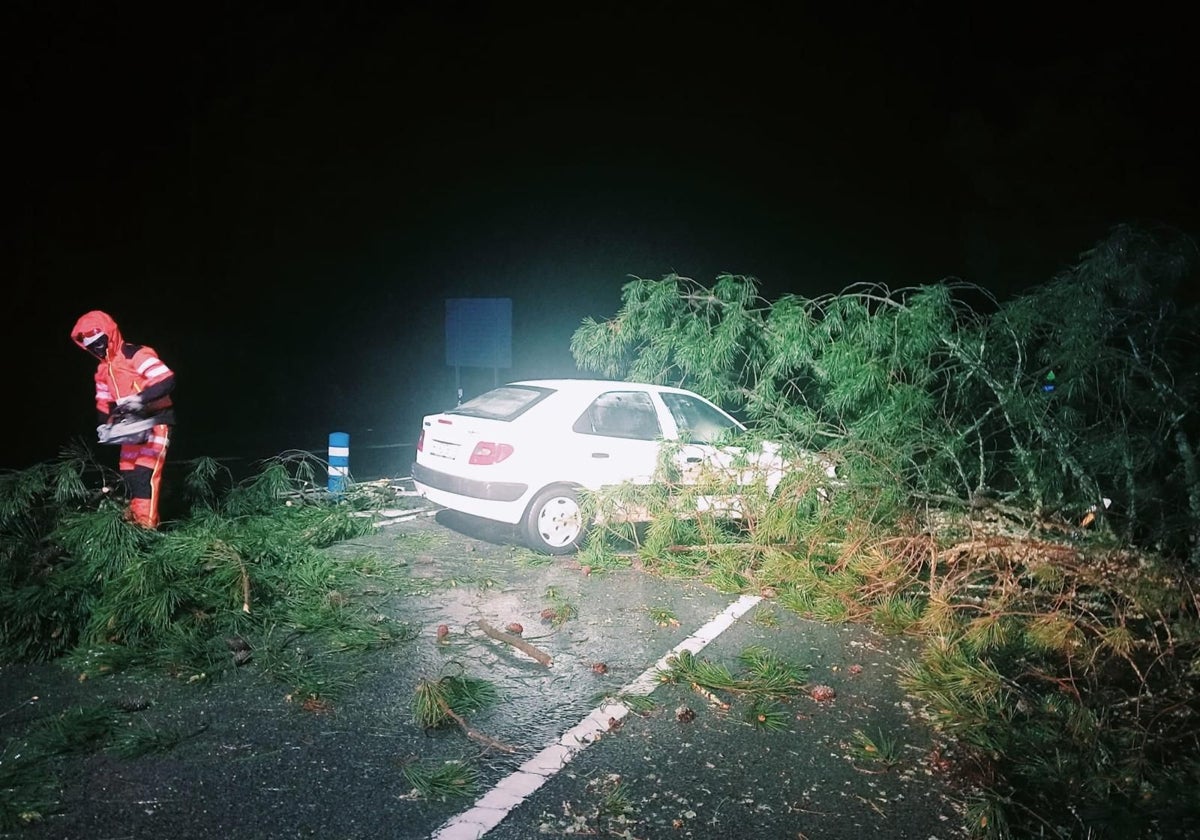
280,202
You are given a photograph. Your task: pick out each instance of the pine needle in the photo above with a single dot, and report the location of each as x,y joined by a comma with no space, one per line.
451,780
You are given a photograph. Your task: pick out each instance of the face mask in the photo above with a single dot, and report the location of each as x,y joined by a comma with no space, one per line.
97,345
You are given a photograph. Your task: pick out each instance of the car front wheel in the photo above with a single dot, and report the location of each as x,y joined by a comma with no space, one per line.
554,522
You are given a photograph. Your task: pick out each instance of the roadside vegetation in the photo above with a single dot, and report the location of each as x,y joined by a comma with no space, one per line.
1016,485
243,581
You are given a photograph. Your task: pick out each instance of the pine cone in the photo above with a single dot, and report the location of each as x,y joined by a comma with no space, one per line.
821,693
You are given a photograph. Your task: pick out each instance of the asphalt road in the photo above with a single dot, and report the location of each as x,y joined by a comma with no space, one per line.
690,766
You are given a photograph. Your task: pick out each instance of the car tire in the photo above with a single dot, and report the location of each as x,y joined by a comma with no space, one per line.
554,521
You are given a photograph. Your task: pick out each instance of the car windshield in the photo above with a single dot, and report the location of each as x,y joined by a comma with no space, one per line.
699,421
507,402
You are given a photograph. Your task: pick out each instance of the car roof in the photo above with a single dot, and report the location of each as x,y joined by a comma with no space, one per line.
592,385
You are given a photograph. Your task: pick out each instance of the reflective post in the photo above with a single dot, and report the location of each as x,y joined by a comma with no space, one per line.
339,461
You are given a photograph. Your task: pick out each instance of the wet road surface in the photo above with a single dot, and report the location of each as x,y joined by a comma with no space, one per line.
584,764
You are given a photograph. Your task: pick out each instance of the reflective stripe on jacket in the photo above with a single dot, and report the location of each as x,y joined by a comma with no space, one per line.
126,369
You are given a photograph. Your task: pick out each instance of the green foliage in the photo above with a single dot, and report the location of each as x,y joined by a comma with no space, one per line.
968,695
987,817
1033,697
616,800
78,730
770,674
79,581
28,784
765,676
897,614
312,672
560,610
466,694
143,739
663,617
878,748
685,668
449,780
44,597
637,703
1062,660
767,714
244,581
942,400
435,702
28,787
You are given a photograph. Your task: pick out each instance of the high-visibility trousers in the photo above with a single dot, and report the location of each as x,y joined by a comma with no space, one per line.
141,468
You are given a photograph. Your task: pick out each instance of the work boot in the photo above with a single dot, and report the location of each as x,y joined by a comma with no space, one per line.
144,513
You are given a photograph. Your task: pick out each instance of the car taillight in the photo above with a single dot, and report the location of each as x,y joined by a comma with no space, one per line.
421,441
487,452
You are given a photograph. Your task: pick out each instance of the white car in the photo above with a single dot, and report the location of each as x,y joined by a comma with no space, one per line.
520,453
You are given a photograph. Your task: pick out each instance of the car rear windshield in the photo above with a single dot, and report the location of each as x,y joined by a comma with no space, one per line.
507,402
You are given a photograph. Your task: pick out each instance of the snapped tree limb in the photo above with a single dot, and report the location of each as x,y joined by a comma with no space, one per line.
517,642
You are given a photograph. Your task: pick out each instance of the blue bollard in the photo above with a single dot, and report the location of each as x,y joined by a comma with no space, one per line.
339,461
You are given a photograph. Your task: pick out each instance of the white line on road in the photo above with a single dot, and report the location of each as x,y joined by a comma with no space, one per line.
512,790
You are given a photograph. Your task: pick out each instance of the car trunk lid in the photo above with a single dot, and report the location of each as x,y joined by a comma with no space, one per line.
453,439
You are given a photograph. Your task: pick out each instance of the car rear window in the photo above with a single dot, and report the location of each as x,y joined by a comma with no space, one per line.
507,402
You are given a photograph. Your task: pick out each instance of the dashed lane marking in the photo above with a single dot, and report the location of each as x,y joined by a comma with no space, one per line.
512,790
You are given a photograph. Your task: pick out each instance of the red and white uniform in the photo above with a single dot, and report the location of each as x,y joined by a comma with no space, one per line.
127,369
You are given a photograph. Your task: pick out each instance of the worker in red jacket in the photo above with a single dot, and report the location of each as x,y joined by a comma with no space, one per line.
133,388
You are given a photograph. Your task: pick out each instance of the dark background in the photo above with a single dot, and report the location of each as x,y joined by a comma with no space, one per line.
280,200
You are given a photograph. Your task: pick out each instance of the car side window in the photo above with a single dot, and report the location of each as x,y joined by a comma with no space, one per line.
622,414
698,421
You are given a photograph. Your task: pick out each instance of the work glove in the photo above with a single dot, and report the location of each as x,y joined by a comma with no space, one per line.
131,404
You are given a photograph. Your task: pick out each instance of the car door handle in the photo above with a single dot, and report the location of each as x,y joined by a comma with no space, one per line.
693,459
599,454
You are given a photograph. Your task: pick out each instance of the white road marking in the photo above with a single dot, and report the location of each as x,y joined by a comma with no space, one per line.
512,790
